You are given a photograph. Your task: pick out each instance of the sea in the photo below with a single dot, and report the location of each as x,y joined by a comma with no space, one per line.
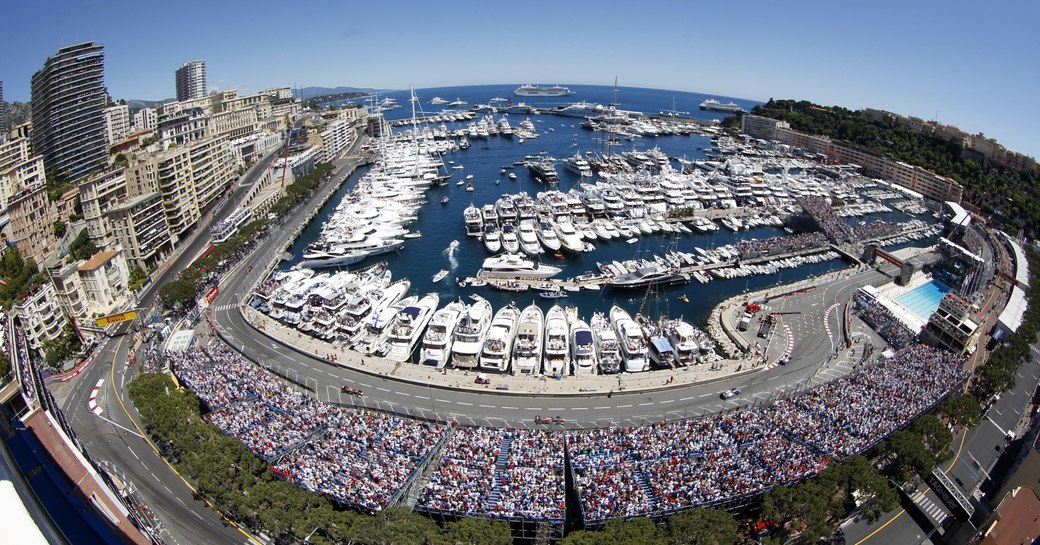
561,137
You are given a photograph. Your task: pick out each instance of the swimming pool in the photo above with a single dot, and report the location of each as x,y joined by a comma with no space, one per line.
924,299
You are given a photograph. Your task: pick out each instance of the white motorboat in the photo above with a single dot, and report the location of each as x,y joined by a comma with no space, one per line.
498,344
529,238
513,265
547,236
410,324
436,345
583,348
469,335
608,349
527,348
377,329
440,275
633,344
682,336
557,351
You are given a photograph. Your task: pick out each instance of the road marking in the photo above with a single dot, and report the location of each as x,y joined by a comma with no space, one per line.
579,409
623,406
511,408
383,390
532,408
421,397
156,478
403,394
704,395
132,452
92,401
442,400
197,515
487,406
599,408
556,409
180,501
686,398
774,377
645,404
365,385
464,403
665,401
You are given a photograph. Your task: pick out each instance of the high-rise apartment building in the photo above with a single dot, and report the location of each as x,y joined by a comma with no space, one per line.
117,123
191,80
146,119
68,102
3,113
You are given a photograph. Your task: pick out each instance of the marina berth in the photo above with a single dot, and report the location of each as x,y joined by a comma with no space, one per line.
436,344
498,344
527,347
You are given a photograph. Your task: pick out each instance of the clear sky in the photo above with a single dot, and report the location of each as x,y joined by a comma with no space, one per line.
970,64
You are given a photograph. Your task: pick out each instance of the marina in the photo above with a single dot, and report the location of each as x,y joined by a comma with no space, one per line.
616,231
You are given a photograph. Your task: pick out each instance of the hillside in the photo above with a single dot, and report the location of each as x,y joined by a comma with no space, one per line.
1010,198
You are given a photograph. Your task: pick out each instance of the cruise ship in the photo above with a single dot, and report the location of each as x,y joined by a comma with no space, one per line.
528,90
713,105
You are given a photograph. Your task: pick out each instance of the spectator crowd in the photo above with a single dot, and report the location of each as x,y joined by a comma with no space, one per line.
366,460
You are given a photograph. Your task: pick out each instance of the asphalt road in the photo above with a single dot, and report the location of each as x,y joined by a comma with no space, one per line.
114,438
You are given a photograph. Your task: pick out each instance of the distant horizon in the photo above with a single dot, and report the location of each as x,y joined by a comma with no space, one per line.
949,62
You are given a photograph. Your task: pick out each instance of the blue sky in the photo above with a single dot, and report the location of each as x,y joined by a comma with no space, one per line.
973,65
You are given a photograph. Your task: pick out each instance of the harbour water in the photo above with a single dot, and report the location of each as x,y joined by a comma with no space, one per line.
560,137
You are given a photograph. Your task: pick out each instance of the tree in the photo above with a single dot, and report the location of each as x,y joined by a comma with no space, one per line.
59,228
473,531
177,293
638,531
934,435
702,527
911,456
137,279
806,507
961,410
82,247
862,488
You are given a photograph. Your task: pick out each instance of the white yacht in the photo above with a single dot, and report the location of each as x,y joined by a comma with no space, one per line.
578,165
361,311
633,344
568,235
583,348
469,335
704,225
436,345
492,238
527,348
458,103
682,336
512,265
410,324
608,349
547,236
437,101
510,242
474,221
374,341
529,237
557,352
498,344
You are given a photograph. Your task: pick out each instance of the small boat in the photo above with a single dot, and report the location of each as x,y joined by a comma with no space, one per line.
458,167
632,240
469,176
460,182
552,294
512,176
469,187
444,200
415,234
440,275
684,298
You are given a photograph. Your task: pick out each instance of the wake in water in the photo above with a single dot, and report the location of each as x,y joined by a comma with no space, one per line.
451,250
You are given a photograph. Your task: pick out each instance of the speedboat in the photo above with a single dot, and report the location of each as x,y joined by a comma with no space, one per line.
583,348
527,348
557,351
633,344
440,275
410,324
436,345
498,344
469,335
